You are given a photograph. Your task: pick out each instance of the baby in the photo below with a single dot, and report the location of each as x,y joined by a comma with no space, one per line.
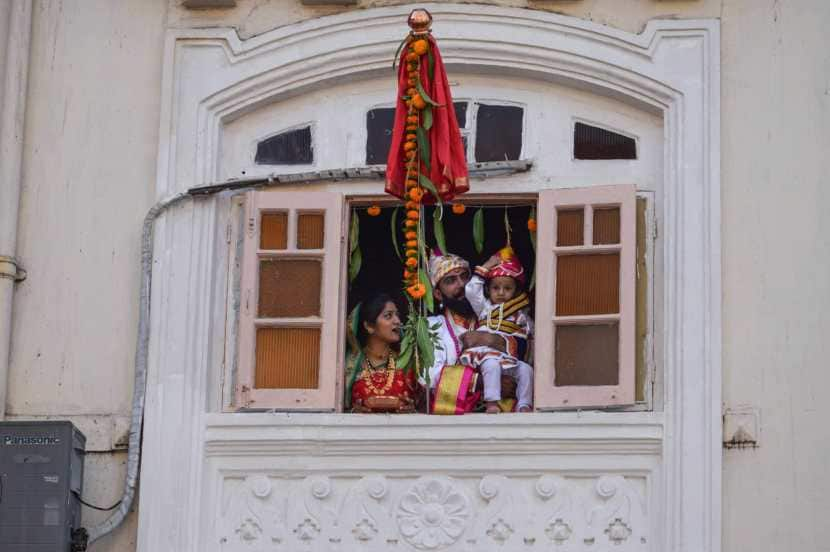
503,311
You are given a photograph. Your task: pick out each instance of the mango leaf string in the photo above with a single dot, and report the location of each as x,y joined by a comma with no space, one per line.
438,227
354,233
424,340
355,261
393,227
424,95
429,300
430,65
478,230
423,146
398,52
532,216
427,117
355,256
425,182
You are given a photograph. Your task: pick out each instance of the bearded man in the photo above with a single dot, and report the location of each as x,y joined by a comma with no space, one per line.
453,386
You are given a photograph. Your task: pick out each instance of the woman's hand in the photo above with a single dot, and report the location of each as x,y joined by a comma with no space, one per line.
482,339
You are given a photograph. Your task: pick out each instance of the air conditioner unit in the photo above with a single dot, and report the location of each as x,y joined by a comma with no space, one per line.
41,478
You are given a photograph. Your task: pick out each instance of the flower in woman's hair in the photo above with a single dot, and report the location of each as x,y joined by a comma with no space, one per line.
416,291
458,208
412,214
411,262
416,194
531,224
373,211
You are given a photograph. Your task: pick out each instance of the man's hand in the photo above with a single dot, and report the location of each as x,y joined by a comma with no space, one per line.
482,339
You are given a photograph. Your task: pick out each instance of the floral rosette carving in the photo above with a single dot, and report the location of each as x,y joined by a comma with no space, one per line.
433,514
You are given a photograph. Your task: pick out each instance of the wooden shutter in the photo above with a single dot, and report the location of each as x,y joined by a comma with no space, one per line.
585,297
289,311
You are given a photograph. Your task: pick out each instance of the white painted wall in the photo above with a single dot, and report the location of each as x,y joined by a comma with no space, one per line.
89,170
776,263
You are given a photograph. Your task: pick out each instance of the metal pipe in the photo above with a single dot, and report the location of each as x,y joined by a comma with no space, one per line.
140,377
15,80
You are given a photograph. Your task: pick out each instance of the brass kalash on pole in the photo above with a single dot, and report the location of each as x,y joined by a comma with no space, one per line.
426,165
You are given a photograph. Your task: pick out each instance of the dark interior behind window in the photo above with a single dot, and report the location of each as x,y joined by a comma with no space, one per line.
498,132
379,123
592,142
292,147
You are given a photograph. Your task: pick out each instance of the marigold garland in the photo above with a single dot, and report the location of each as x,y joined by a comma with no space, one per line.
416,291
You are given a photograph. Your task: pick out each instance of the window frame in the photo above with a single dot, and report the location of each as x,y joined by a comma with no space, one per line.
326,396
547,395
238,236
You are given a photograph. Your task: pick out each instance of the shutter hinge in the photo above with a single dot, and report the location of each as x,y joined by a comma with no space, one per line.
10,268
246,396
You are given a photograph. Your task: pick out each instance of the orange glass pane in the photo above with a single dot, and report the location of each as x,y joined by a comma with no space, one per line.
587,284
310,231
570,227
274,231
287,358
606,225
289,287
587,355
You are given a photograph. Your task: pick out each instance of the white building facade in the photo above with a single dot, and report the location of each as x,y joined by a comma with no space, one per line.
132,105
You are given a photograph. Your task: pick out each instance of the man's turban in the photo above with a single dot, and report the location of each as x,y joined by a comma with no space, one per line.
441,264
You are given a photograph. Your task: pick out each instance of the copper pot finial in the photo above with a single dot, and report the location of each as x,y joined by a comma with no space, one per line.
420,21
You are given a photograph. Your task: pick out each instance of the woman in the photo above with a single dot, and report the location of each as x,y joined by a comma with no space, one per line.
373,382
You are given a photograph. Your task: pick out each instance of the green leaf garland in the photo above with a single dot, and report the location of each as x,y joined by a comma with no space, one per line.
355,255
423,147
393,227
438,228
478,230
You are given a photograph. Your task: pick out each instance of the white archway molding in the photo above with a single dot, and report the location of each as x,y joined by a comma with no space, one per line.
533,44
211,77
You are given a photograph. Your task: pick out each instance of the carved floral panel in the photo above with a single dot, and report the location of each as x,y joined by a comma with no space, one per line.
377,513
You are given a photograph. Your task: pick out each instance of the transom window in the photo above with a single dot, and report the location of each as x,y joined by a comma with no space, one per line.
491,131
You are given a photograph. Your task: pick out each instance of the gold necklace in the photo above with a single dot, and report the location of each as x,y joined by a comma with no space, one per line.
367,374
